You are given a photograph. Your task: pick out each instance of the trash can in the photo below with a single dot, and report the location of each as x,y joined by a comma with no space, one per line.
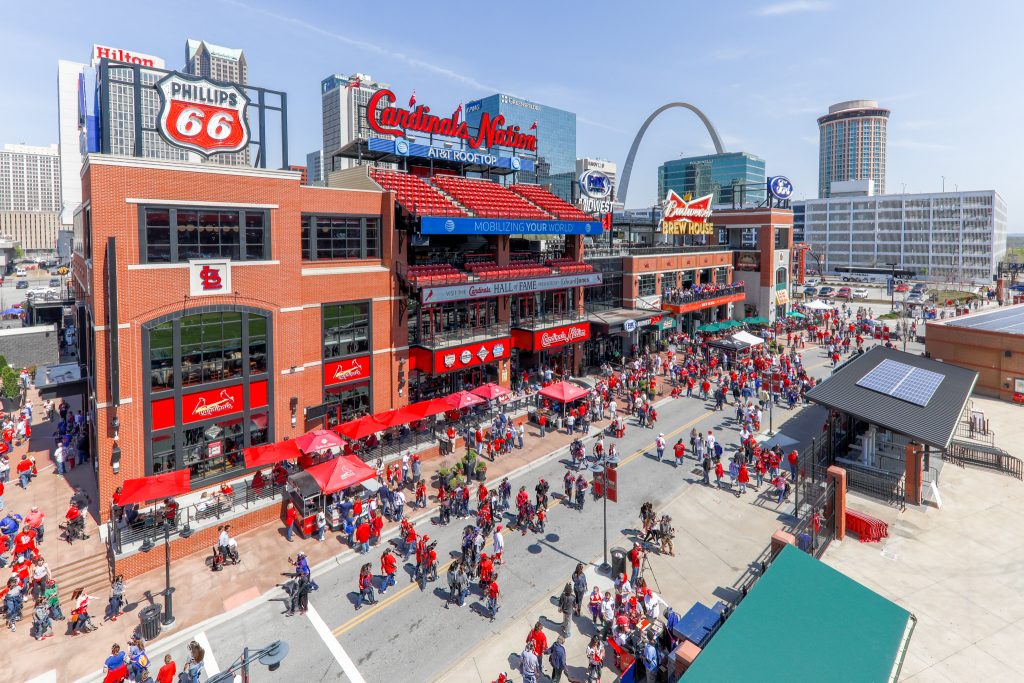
618,561
149,622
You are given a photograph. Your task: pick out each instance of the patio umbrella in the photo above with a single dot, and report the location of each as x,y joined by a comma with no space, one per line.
164,485
359,429
463,399
341,473
490,391
271,453
318,440
12,311
563,392
796,314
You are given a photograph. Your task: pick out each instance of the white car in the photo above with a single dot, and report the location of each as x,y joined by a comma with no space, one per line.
860,293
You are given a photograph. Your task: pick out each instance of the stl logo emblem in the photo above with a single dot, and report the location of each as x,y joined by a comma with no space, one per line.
210,278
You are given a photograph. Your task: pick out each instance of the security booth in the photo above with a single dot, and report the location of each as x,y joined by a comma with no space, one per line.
304,493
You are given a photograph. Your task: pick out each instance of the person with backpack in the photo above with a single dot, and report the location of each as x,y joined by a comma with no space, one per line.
42,626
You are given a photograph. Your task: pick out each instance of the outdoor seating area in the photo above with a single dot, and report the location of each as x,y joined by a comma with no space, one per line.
517,270
568,266
416,195
488,199
551,203
433,274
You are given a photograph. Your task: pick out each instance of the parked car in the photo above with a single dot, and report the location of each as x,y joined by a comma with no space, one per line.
21,272
915,298
811,282
55,282
844,293
37,293
810,291
919,288
860,293
826,292
22,284
902,287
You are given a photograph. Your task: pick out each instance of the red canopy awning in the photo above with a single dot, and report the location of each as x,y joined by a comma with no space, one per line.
360,428
271,453
145,489
341,473
428,408
318,440
563,392
463,399
490,391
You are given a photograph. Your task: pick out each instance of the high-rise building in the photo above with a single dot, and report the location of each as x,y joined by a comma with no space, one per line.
555,131
219,64
852,145
726,176
952,236
35,231
315,167
29,178
343,102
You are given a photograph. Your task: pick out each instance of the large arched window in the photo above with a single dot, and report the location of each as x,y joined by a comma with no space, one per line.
780,277
209,393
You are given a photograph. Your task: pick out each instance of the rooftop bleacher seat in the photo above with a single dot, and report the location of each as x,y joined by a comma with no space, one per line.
551,203
488,199
415,195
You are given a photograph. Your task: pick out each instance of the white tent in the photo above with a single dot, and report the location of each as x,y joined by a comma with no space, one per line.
747,338
818,306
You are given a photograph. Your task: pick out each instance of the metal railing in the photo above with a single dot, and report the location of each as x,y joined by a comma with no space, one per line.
754,571
599,251
454,336
975,430
148,526
888,487
962,453
547,320
689,296
814,538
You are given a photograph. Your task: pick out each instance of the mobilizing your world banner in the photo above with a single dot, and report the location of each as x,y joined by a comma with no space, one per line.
439,225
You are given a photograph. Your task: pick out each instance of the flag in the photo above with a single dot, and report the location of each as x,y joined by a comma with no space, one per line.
458,110
353,84
533,126
412,99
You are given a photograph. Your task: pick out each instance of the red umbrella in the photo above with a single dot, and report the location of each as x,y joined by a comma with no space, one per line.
490,391
318,440
563,392
271,453
359,429
424,409
164,485
463,399
394,418
341,473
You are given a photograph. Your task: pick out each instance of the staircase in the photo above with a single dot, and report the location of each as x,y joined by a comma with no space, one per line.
91,573
453,200
537,206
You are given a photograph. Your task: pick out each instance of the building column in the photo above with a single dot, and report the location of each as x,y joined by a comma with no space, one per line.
913,478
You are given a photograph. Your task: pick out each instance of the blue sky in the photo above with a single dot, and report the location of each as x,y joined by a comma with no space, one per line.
762,71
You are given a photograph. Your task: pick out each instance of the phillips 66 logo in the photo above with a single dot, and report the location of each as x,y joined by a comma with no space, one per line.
201,115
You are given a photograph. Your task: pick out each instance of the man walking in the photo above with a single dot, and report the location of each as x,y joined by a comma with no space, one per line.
528,664
388,567
556,657
660,445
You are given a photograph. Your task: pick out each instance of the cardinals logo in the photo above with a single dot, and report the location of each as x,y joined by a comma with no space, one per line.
355,369
204,409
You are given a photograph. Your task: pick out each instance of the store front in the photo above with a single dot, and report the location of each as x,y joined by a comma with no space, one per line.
555,348
210,392
436,373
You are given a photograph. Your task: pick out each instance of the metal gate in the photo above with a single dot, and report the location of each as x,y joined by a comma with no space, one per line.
816,525
963,453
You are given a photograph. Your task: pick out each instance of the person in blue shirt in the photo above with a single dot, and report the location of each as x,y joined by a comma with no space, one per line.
116,660
650,659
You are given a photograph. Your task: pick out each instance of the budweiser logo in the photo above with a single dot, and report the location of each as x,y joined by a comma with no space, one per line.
677,208
354,370
564,336
482,353
498,350
204,409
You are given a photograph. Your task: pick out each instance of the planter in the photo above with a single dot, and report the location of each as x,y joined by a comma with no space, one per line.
481,474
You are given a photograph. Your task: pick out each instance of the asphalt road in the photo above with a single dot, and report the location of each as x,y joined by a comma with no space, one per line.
409,635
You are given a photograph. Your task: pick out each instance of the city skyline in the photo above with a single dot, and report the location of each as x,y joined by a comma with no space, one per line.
772,118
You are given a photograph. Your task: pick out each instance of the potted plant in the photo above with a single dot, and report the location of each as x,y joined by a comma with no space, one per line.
457,481
481,471
444,475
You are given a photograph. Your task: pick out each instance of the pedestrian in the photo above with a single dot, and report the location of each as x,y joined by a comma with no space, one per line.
595,659
291,516
705,466
24,471
168,671
33,519
650,659
462,582
115,667
529,665
365,586
556,657
388,569
567,605
719,471
793,459
363,537
660,445
58,459
116,606
321,526
579,586
194,664
743,478
540,643
679,451
542,422
635,556
138,660
498,545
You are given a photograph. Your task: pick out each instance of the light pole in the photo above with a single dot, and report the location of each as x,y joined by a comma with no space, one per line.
168,620
271,657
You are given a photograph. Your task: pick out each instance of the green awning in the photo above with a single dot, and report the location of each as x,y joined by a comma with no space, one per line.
710,327
796,314
838,628
756,320
729,324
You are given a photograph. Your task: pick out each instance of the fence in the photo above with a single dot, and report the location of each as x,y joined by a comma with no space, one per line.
148,526
962,453
754,571
816,527
877,484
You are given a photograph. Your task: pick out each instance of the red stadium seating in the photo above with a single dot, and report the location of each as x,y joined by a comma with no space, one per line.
415,195
488,199
567,266
430,275
554,205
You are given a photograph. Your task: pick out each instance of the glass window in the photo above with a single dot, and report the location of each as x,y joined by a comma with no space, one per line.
340,237
346,329
348,402
158,235
162,448
161,357
172,234
213,449
646,285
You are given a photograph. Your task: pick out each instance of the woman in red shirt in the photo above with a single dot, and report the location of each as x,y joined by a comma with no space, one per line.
167,671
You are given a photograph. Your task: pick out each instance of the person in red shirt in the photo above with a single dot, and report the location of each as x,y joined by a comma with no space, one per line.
421,493
376,527
363,537
493,593
680,451
291,516
635,556
24,471
25,543
388,567
167,671
540,643
793,459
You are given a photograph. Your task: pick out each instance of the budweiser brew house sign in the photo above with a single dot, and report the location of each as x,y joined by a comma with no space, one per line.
203,116
396,121
686,216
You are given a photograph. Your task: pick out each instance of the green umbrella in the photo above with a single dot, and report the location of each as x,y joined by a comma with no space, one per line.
711,327
729,324
796,314
756,320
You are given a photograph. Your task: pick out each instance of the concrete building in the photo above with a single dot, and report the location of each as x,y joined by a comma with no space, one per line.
29,178
220,64
35,231
953,236
852,144
726,176
343,102
990,343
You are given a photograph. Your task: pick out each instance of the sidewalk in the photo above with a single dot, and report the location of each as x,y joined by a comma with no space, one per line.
201,594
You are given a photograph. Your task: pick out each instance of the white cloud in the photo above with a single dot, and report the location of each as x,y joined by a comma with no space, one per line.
919,145
793,7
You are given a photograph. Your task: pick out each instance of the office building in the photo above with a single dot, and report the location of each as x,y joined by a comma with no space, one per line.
947,236
609,168
343,102
69,74
555,132
219,64
29,178
726,176
35,231
852,145
315,167
799,234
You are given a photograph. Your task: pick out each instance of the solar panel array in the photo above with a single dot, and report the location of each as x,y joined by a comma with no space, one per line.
902,381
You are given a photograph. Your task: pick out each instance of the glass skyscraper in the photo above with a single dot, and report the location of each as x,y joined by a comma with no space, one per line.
556,137
723,175
852,145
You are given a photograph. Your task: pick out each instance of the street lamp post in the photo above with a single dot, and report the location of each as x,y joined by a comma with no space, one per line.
271,657
168,620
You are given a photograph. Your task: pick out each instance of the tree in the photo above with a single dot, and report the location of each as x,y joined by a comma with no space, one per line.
19,253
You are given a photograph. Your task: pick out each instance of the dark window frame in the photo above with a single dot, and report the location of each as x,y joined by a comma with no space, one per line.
172,227
309,241
643,289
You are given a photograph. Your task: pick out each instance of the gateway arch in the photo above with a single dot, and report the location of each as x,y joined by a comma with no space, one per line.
628,167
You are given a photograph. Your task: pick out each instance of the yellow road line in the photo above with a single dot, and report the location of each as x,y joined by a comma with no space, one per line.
383,604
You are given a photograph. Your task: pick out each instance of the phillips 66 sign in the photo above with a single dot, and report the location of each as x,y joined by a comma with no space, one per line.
201,115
